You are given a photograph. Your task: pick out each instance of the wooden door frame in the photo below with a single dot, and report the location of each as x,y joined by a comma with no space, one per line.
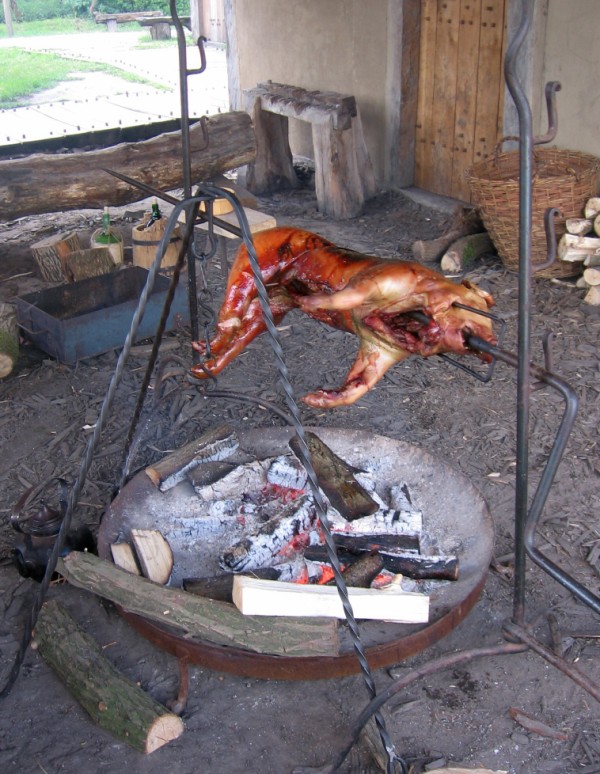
404,33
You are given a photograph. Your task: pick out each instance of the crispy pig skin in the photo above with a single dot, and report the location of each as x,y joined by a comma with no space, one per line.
353,292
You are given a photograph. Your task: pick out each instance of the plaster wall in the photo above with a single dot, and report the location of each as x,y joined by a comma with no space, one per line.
572,56
369,48
345,51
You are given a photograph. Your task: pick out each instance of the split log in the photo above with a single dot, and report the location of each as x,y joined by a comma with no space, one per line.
262,597
578,248
592,297
592,276
111,700
123,557
465,221
579,226
154,554
51,255
336,479
597,225
461,254
55,182
214,445
9,339
92,262
216,622
592,207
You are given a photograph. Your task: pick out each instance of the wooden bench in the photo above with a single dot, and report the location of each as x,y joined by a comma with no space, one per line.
113,19
344,177
160,26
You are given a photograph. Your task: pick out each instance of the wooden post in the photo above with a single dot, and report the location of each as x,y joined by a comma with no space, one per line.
273,167
113,702
160,31
8,18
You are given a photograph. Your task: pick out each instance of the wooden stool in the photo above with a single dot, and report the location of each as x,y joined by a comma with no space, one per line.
344,176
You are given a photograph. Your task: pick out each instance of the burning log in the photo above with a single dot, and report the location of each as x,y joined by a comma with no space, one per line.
336,478
260,548
55,182
362,572
216,444
213,621
220,587
416,566
261,597
113,702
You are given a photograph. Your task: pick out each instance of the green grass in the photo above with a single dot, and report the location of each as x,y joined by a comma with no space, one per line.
53,27
23,73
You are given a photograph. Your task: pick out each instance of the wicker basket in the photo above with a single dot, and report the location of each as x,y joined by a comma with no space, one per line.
562,179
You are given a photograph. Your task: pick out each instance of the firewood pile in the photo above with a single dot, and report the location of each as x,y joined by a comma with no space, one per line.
581,247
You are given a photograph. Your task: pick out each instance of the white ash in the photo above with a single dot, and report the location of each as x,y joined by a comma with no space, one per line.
287,471
260,549
244,478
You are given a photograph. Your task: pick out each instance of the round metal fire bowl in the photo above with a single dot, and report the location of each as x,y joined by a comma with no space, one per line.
454,514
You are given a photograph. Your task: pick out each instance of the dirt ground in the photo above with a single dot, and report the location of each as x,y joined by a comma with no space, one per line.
238,724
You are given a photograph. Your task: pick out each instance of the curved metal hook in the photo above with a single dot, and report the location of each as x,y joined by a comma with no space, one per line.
549,216
205,138
200,43
551,88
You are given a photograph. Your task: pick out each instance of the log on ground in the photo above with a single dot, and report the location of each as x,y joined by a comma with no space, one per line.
55,182
9,339
110,699
195,616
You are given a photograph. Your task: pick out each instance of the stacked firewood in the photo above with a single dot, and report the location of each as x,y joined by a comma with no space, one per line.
581,245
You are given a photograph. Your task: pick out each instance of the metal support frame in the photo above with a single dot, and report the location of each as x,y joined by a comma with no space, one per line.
529,377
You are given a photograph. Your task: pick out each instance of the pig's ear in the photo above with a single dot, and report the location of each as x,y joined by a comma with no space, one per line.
482,293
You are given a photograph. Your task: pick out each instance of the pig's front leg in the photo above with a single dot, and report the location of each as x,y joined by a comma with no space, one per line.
231,341
370,365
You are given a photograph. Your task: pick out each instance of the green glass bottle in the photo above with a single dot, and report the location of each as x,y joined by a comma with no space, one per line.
107,236
155,215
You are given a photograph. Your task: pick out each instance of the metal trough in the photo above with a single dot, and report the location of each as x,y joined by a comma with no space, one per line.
86,318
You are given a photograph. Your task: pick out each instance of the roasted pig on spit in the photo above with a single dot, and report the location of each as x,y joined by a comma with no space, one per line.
370,297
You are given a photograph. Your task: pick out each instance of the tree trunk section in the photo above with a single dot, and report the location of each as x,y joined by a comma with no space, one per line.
55,182
9,339
216,622
51,255
91,262
113,702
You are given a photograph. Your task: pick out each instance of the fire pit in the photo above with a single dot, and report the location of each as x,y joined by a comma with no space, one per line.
456,521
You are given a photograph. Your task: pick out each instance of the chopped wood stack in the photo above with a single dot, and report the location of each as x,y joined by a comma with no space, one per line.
61,258
581,246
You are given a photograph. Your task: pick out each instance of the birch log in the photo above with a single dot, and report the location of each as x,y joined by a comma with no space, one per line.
69,181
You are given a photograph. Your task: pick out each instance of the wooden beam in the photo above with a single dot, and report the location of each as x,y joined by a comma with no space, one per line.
66,181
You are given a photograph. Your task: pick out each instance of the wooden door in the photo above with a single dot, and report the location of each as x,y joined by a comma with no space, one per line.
461,90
